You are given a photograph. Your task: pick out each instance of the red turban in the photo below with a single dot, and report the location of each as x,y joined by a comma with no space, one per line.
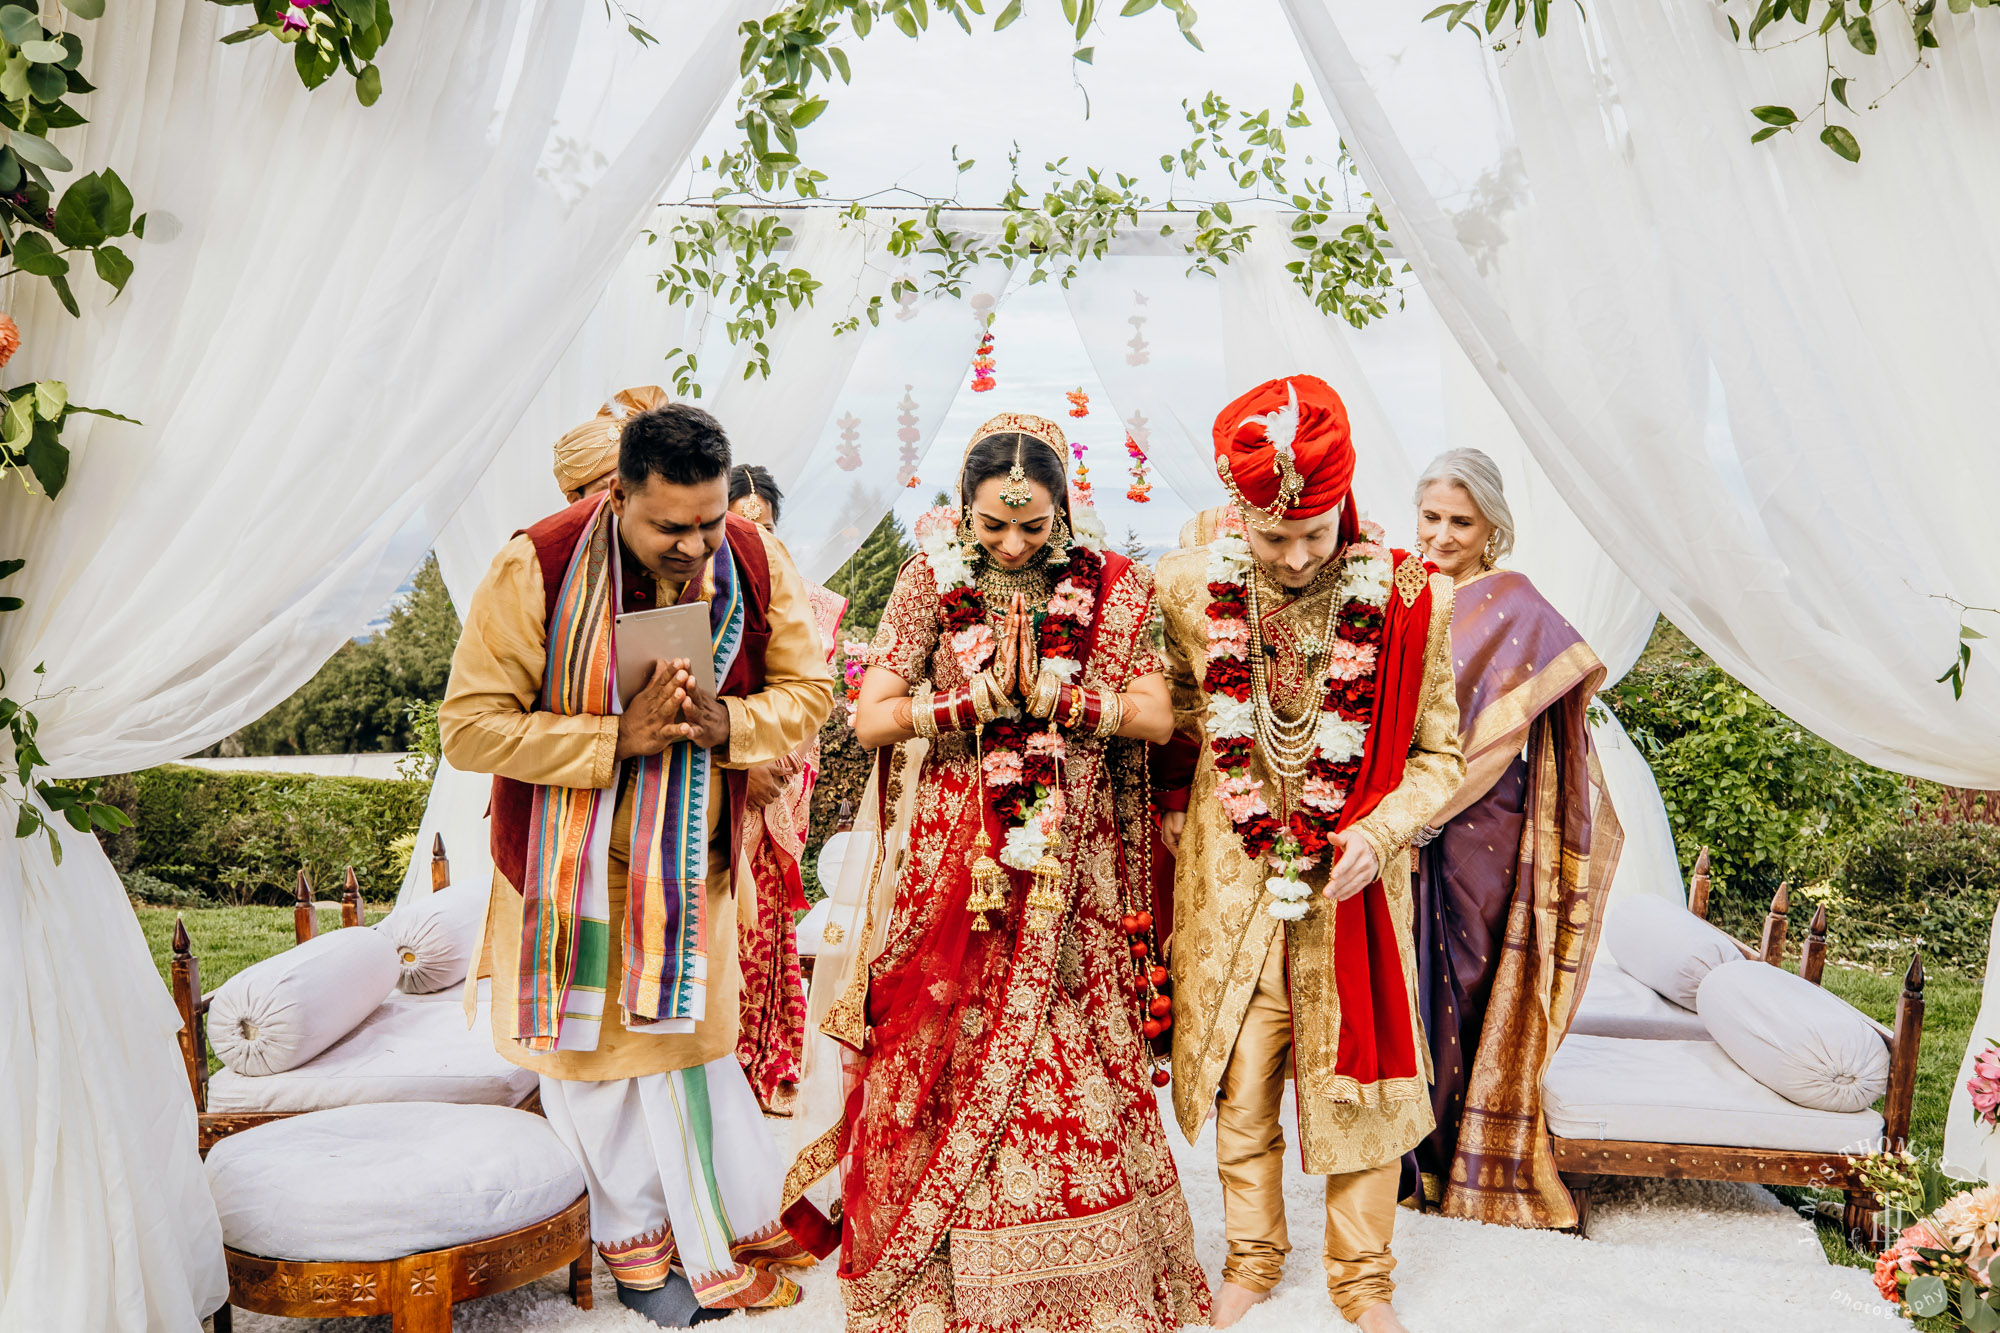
1300,414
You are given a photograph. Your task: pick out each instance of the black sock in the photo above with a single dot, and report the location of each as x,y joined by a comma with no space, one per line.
670,1306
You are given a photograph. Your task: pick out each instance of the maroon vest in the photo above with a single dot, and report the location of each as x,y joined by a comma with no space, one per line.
555,539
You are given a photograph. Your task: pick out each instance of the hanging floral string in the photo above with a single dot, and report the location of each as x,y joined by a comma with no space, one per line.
1140,491
1080,485
848,457
1079,402
853,668
982,364
907,432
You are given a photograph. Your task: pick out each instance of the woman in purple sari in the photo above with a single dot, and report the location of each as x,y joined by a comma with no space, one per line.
1512,875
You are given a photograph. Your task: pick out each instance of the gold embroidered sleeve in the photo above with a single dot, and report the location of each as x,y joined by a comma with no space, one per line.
798,685
488,721
1436,764
1147,657
908,634
1181,592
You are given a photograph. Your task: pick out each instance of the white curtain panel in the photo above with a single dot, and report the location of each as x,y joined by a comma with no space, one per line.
338,310
1774,428
898,386
623,343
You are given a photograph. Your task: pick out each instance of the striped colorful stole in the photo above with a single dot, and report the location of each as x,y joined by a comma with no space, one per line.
565,925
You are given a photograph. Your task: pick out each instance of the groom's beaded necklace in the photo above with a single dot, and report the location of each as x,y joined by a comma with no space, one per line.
1288,743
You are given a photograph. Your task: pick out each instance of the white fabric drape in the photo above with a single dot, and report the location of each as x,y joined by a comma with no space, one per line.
898,389
1781,443
337,310
623,343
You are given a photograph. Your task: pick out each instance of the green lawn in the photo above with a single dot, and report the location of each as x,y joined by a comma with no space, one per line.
228,939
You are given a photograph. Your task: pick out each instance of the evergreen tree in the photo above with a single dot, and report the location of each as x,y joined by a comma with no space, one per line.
1135,547
360,700
869,575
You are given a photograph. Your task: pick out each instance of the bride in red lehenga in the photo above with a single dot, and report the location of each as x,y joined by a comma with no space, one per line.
1003,1160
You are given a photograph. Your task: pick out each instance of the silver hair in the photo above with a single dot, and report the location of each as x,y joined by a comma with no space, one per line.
1479,476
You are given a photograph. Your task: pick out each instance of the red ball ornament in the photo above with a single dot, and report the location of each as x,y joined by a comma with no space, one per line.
1129,924
1158,976
1139,949
1166,1022
1160,1078
1151,1029
1144,920
1160,1007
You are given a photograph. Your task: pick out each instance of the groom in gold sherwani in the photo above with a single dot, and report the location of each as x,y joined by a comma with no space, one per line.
1311,667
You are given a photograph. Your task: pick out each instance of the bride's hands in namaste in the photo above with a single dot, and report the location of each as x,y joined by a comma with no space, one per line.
1006,652
1030,657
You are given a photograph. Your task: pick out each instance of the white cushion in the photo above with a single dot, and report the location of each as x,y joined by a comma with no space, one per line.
832,856
1799,1040
1666,946
280,1013
1617,1004
1685,1092
435,937
380,1182
413,1048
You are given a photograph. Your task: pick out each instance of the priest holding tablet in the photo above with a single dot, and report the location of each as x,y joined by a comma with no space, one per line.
610,934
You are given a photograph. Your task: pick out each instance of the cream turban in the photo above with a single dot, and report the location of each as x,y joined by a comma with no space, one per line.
591,450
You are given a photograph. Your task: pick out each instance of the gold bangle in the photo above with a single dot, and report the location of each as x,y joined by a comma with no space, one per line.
985,697
1113,714
922,720
1078,705
1042,699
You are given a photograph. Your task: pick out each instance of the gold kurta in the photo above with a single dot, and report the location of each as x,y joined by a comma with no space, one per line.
489,724
1222,932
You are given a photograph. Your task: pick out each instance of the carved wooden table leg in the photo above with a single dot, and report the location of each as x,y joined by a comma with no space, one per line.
580,1293
421,1301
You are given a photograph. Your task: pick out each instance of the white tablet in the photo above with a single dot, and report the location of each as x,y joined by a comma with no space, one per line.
663,635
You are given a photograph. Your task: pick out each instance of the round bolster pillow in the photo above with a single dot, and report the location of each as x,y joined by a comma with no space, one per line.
1666,946
435,938
1802,1042
280,1013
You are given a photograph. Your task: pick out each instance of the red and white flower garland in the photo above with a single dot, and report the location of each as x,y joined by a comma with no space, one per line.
1297,845
1020,755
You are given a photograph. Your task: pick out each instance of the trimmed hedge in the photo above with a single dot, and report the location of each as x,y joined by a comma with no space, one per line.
242,837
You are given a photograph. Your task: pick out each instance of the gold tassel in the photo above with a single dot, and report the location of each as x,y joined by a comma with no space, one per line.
989,883
1045,902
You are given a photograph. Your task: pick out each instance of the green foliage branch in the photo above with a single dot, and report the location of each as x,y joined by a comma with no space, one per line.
725,252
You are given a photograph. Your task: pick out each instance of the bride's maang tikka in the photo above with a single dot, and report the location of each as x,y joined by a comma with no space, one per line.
1016,493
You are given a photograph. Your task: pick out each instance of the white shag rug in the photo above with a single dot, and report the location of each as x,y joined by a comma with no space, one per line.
1663,1257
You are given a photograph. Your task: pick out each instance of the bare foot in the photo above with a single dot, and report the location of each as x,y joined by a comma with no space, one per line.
1380,1319
1232,1302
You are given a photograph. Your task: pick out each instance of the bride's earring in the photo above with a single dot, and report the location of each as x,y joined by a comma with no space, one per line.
968,544
1056,552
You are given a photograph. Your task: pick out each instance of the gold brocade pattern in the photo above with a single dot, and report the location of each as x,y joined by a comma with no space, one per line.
1222,931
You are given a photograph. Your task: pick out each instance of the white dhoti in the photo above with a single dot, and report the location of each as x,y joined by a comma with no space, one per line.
682,1173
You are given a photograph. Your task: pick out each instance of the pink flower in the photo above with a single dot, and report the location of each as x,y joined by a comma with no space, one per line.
1070,600
295,19
1351,661
1366,550
1242,796
943,519
973,647
1003,767
1323,795
1374,532
1047,742
1228,636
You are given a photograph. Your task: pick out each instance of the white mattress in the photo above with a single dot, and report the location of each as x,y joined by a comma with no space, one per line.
379,1182
1685,1092
1617,1004
413,1048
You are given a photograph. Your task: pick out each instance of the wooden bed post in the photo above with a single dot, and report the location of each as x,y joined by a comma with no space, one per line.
1862,1216
350,900
1772,950
1812,959
1698,886
440,867
185,979
305,922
